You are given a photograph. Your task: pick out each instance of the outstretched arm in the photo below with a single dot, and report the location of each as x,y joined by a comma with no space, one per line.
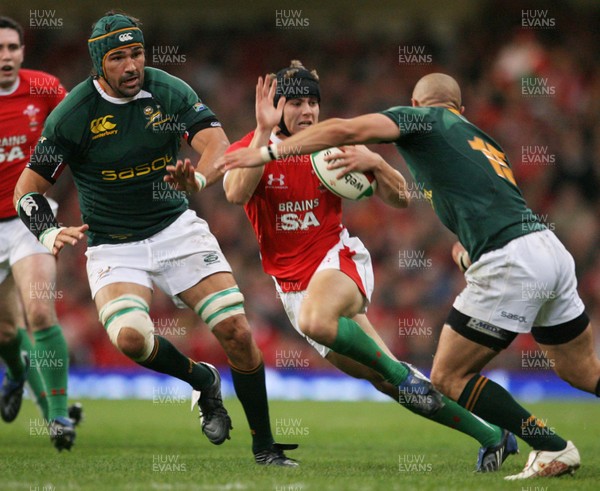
369,128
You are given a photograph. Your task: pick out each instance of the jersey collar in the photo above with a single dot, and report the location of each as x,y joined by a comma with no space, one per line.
142,94
12,89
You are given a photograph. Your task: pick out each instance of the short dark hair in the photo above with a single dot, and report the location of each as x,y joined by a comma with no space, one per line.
8,23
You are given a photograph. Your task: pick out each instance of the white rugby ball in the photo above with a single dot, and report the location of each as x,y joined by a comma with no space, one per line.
355,185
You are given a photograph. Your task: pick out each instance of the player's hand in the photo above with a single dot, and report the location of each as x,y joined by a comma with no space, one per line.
182,176
70,236
267,115
244,157
354,158
461,256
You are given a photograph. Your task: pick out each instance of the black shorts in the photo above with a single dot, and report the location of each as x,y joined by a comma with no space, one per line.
497,338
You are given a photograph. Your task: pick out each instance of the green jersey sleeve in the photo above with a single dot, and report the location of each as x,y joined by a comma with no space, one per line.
183,110
411,121
63,135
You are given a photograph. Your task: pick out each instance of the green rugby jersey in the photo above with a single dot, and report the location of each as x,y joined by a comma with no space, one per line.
465,176
118,150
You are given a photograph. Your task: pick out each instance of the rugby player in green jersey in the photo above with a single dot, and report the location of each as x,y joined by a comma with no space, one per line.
521,278
120,133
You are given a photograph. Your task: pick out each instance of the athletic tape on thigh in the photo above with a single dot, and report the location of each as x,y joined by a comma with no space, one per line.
220,305
129,311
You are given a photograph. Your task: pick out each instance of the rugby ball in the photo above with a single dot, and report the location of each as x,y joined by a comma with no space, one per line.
354,185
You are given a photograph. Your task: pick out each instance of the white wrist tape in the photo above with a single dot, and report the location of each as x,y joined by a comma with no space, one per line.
463,261
201,180
48,237
272,149
264,154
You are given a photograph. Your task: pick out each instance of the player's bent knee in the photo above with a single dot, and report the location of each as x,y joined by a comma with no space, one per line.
40,316
306,325
220,306
315,326
233,330
129,326
308,328
235,337
131,343
133,334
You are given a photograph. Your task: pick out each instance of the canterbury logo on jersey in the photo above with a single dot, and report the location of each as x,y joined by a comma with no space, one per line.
103,127
126,36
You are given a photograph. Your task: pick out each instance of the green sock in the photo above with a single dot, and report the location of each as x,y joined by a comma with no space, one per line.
166,358
454,416
50,356
251,391
34,377
490,401
352,341
11,354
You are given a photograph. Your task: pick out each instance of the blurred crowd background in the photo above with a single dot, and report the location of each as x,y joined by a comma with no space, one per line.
551,135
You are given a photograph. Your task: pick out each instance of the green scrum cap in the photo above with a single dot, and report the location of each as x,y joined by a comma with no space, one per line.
112,32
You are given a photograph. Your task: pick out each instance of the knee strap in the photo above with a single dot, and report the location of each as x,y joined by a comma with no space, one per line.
220,305
129,311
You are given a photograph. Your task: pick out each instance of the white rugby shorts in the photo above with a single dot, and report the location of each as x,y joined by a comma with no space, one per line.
18,242
350,256
528,282
174,259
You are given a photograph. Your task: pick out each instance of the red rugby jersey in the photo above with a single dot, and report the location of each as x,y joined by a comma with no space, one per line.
22,114
295,219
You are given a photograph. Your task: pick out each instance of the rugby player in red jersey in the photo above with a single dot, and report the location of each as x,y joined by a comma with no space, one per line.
323,276
28,269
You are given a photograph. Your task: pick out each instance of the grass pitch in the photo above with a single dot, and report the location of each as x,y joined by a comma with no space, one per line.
346,446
